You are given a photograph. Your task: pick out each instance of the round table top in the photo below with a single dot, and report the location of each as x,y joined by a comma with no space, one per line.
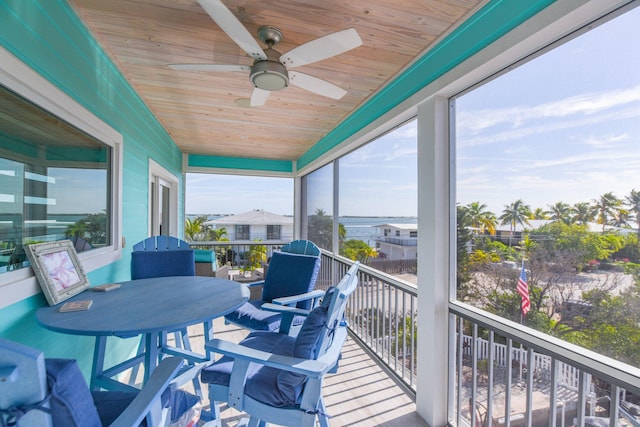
147,305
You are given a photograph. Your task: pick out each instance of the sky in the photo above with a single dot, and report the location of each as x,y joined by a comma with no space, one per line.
561,128
378,179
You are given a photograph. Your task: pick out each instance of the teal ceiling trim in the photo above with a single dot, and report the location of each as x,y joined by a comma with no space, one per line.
490,23
203,161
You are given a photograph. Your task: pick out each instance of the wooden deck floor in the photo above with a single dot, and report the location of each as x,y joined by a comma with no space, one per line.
360,394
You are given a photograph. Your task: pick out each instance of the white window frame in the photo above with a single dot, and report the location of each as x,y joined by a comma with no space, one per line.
21,79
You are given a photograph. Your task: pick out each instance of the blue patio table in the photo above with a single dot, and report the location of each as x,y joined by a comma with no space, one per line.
150,307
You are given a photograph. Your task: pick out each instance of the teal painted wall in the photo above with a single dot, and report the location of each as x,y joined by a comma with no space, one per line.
49,37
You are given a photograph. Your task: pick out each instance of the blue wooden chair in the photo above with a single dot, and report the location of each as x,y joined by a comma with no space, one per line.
35,391
290,281
277,378
163,256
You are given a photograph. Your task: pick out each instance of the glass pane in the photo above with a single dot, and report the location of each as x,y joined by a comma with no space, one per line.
319,187
548,191
378,203
54,183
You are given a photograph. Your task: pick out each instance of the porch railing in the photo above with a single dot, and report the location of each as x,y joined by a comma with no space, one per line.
502,373
506,374
382,315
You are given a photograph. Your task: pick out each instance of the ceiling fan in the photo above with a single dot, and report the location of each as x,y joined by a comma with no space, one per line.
269,71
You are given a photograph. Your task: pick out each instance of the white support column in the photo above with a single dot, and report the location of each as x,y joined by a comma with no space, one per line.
433,260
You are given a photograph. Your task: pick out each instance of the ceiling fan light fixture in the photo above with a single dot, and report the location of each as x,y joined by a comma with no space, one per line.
269,75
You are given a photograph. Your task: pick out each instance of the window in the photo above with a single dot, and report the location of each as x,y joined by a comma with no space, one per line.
273,232
242,232
319,206
378,188
547,184
413,234
59,177
52,187
212,198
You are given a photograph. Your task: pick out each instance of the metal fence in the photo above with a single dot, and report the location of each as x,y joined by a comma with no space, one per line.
382,315
502,374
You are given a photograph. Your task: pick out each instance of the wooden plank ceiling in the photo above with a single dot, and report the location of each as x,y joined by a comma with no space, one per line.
198,109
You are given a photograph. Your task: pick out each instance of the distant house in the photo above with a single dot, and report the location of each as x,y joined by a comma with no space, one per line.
256,225
397,241
506,235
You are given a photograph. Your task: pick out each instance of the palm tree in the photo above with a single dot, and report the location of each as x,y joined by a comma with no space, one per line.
605,207
480,218
514,214
192,228
582,213
218,234
620,218
633,200
560,212
538,213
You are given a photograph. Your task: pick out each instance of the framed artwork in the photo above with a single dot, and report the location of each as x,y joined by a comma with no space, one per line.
58,270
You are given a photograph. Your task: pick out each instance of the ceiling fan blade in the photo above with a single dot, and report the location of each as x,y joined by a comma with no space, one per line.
316,85
322,48
209,67
233,27
259,97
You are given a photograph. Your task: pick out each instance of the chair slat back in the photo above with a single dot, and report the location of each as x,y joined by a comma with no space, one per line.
303,247
337,307
23,382
161,243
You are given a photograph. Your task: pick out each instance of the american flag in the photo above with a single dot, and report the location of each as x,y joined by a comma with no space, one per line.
523,290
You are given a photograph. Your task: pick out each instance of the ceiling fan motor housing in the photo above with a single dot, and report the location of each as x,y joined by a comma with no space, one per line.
269,74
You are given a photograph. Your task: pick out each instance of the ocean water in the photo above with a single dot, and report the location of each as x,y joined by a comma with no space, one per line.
363,228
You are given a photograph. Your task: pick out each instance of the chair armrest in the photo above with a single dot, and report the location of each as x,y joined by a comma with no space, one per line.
149,397
284,309
315,294
310,368
252,284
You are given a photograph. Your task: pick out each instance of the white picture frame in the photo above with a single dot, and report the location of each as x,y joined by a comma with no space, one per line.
58,270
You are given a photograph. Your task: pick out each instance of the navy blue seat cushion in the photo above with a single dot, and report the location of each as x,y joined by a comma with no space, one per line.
146,264
71,401
251,317
305,346
261,380
290,274
110,404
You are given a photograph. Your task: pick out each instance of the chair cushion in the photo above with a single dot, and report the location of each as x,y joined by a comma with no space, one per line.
306,345
290,274
146,264
307,339
71,401
249,316
110,404
261,382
